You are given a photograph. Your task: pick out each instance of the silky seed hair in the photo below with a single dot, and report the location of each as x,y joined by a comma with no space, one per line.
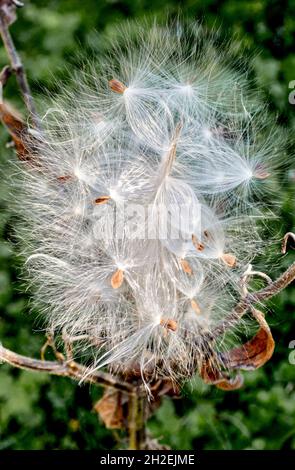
164,124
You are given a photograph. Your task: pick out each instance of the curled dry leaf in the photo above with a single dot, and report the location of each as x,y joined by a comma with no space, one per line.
233,383
110,409
211,374
17,129
256,352
289,237
252,355
113,410
160,388
165,387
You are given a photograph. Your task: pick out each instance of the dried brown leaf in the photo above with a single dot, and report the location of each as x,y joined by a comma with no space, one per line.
213,376
110,409
17,129
256,352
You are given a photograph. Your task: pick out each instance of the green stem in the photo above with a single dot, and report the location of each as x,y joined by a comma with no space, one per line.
136,420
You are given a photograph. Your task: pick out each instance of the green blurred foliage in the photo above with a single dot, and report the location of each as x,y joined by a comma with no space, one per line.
42,412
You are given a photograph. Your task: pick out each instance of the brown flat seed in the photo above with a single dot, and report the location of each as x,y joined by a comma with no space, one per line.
186,266
101,200
117,86
195,307
65,178
117,279
229,259
198,245
169,324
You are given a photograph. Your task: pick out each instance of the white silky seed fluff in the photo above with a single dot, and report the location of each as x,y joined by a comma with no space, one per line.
162,120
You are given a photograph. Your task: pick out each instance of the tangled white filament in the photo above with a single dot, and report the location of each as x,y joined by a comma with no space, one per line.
140,212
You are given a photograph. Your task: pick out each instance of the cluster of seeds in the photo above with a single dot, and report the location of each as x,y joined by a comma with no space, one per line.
140,212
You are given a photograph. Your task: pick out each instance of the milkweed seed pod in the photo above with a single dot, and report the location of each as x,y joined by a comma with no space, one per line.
141,203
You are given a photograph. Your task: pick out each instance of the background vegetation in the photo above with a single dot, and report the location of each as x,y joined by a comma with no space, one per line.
42,412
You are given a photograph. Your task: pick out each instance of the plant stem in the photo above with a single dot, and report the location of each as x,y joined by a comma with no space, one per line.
274,287
245,304
136,420
18,69
69,369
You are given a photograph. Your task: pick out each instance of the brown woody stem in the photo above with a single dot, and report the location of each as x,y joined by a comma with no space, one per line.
17,67
69,369
269,291
274,287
